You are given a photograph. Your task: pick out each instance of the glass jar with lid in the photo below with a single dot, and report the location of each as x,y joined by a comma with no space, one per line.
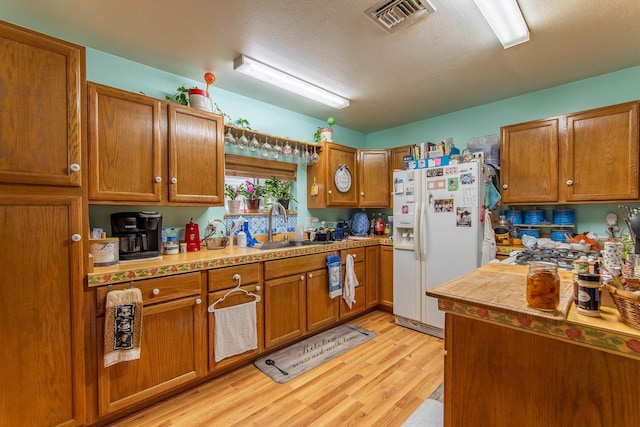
543,286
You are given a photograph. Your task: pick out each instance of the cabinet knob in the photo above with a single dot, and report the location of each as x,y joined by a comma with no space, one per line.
362,193
329,192
257,288
74,167
198,301
155,291
158,179
76,237
310,275
174,180
505,186
302,277
569,182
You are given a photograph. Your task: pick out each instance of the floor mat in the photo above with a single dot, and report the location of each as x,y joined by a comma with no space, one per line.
296,359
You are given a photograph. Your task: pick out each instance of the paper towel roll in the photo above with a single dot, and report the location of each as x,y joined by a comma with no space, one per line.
612,255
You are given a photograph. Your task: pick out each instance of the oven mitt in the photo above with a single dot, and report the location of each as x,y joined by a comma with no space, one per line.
492,196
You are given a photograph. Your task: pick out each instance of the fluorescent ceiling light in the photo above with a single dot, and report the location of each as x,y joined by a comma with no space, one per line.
506,20
266,73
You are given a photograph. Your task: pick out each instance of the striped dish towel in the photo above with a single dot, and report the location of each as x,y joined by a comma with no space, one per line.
334,268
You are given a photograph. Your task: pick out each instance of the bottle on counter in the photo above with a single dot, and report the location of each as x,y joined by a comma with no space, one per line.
372,225
171,246
380,226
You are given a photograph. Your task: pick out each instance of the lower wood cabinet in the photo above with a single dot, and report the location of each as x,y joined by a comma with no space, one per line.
359,305
372,255
322,310
385,277
285,316
173,347
224,292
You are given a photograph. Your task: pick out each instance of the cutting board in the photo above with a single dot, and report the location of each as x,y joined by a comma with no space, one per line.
502,287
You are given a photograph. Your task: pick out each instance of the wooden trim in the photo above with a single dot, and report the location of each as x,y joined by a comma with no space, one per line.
258,168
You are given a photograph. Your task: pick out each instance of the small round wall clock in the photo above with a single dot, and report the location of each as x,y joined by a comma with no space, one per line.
342,179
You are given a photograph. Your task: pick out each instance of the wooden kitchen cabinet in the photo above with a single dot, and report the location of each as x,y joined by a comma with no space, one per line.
599,159
322,311
372,256
221,284
41,105
125,146
582,157
385,276
41,311
173,348
143,150
529,162
359,268
374,185
322,174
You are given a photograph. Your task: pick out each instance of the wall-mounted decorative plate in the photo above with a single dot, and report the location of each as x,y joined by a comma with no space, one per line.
342,179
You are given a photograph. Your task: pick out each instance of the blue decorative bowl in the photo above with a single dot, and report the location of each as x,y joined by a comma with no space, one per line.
533,233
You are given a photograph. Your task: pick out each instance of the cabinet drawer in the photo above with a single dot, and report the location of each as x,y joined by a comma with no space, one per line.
358,253
222,278
295,265
157,290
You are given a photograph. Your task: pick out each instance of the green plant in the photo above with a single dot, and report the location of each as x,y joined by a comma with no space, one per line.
251,191
330,122
244,123
181,96
279,189
231,192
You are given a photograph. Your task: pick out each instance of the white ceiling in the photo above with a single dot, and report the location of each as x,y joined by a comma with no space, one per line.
449,61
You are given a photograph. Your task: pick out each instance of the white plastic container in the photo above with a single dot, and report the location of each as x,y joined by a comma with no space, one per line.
242,239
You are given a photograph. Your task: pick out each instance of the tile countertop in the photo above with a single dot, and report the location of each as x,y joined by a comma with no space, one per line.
208,259
495,293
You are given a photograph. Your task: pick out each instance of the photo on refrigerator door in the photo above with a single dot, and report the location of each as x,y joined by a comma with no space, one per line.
452,184
443,205
463,217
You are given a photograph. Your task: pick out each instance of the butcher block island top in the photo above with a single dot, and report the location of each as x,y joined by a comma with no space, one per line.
495,293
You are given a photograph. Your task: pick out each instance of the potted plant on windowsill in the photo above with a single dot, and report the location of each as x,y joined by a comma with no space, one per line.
233,203
252,194
280,191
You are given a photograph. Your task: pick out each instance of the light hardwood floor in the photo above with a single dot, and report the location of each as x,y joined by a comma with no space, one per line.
379,383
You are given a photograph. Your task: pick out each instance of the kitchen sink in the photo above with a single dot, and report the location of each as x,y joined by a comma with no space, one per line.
283,244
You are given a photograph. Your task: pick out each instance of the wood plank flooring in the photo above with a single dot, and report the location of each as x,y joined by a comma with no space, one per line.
379,383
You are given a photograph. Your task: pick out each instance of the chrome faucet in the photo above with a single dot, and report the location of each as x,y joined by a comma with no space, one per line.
276,207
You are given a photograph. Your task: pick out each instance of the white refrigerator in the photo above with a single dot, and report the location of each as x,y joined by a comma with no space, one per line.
438,228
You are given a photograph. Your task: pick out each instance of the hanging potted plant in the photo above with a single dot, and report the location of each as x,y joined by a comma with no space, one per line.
233,203
280,191
252,194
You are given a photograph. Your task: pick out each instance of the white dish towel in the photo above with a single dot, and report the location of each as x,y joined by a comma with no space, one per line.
350,282
235,330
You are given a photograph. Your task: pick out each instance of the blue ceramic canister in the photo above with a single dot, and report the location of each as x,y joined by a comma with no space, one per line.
515,216
564,216
533,217
359,224
533,233
558,235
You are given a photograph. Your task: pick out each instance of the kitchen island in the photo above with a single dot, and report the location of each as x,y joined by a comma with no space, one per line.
507,364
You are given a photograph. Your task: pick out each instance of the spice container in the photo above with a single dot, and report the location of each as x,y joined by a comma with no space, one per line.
543,286
589,294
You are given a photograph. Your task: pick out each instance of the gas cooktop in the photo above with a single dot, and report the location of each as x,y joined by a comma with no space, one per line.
562,257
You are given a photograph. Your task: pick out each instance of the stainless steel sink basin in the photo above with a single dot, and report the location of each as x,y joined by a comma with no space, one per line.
283,244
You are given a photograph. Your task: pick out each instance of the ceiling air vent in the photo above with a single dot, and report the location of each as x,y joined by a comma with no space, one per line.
396,14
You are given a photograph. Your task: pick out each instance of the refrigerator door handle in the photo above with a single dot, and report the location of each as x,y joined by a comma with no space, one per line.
423,232
416,232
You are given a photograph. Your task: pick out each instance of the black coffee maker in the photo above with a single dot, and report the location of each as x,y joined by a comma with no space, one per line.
140,234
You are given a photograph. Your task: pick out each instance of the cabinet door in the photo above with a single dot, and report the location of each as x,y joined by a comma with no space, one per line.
172,352
529,162
372,255
196,156
599,159
338,155
41,311
359,305
386,278
285,309
373,178
232,299
124,146
41,108
322,310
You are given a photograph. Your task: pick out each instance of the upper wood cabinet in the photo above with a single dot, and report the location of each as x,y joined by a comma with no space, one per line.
322,173
529,162
373,178
600,155
41,108
143,150
370,182
582,157
125,146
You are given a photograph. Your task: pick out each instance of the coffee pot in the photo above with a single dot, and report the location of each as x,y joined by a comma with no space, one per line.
503,231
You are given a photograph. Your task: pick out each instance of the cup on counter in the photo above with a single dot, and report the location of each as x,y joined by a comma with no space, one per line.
612,255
